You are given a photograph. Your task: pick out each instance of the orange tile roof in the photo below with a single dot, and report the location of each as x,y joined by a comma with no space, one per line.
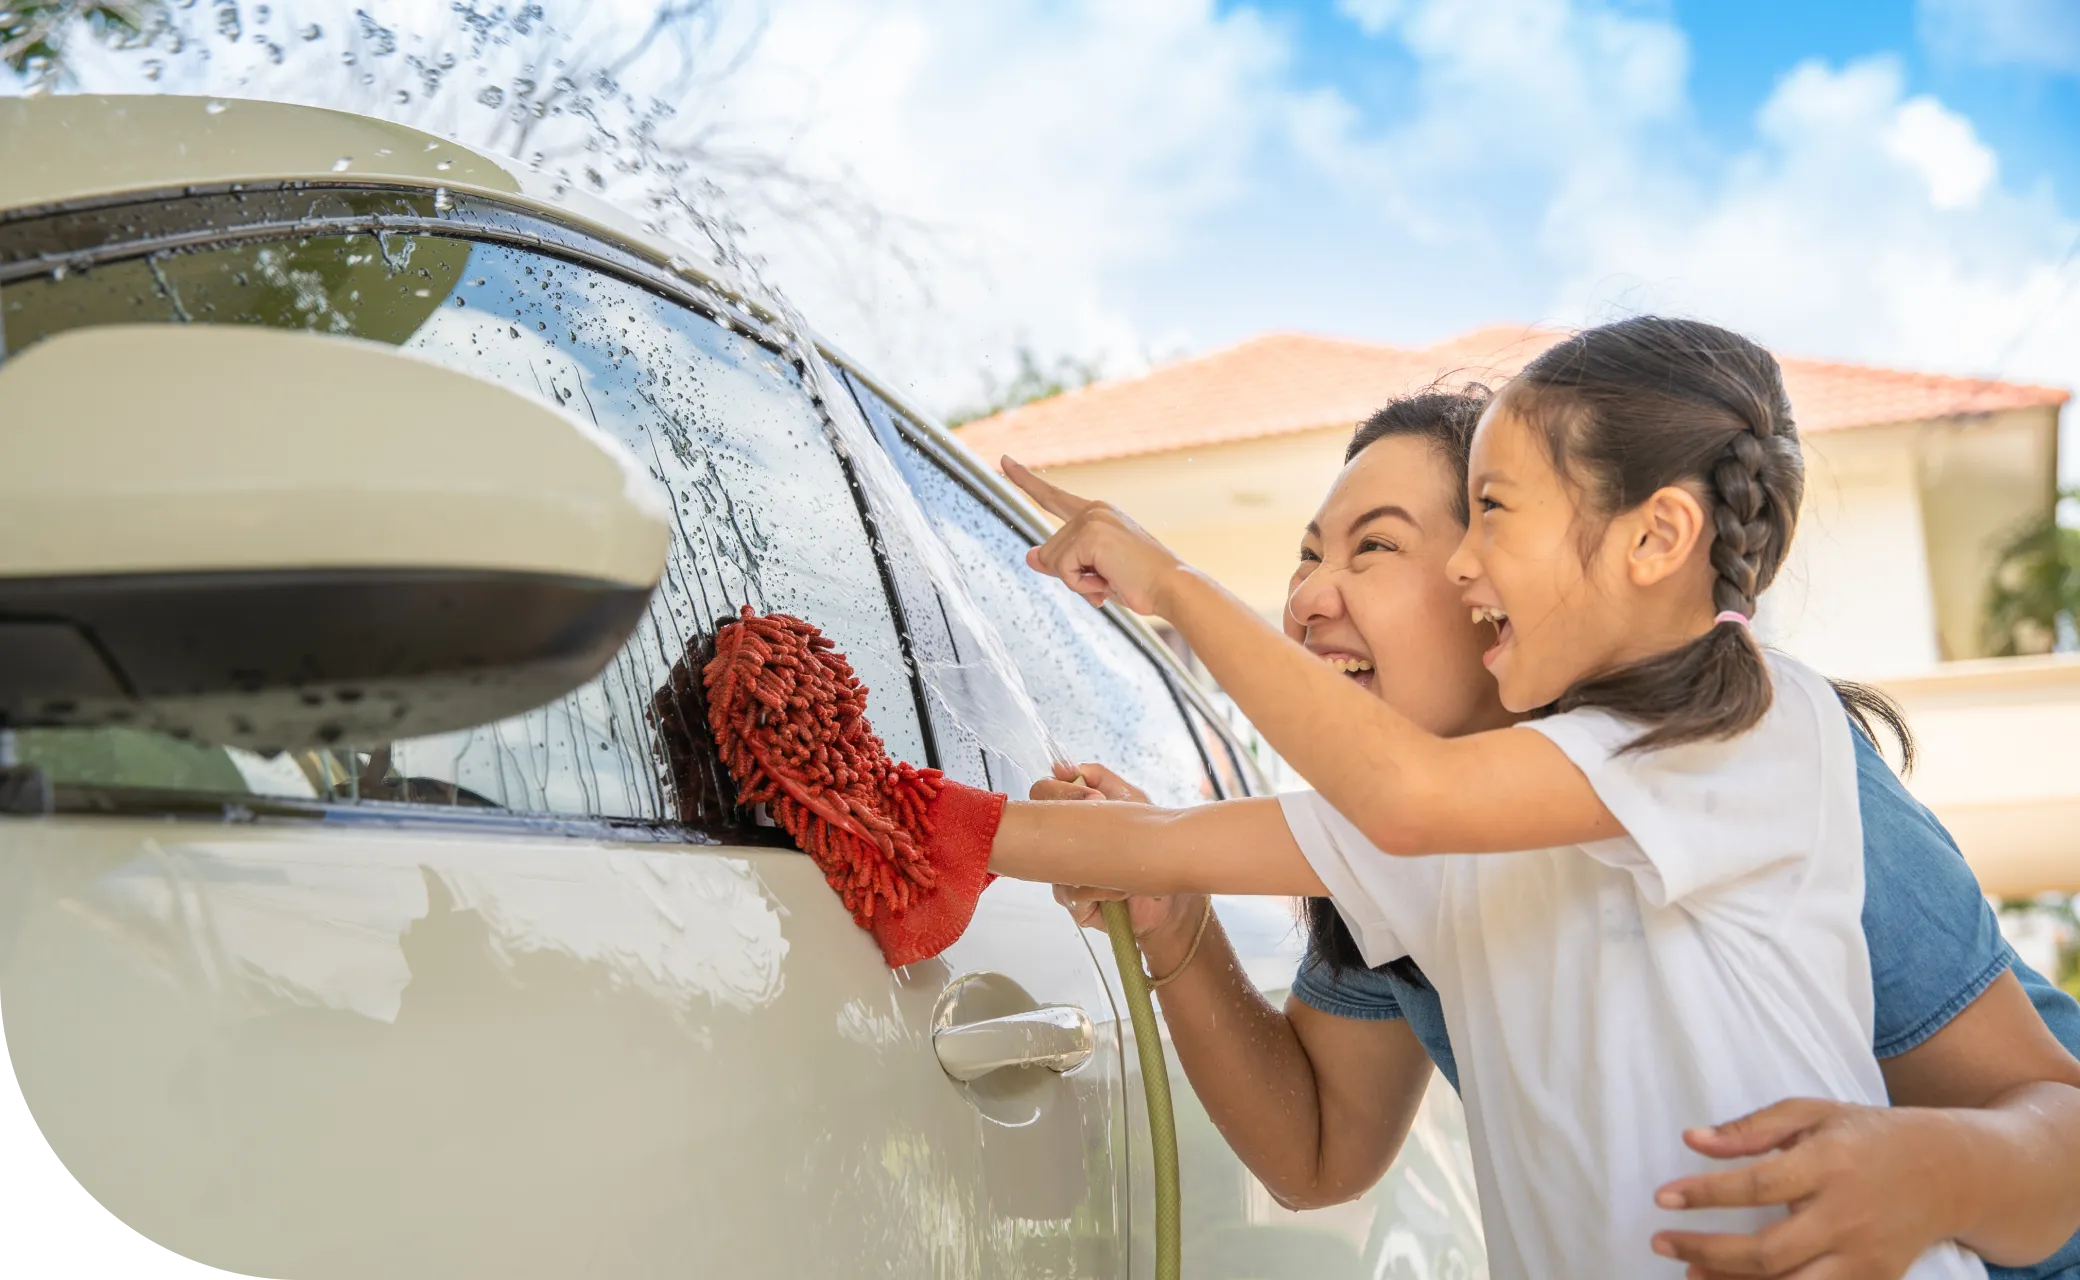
1284,383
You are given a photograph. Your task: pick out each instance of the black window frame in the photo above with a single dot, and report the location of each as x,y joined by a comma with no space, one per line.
250,213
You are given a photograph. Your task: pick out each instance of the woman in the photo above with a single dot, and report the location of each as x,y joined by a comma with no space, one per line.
1983,1143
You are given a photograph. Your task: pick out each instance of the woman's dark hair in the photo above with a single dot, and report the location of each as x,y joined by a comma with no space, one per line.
1446,418
1627,409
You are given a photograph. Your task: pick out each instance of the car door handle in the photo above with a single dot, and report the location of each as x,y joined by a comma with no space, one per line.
1056,1036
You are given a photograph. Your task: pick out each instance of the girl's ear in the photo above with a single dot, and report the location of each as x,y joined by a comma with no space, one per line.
1667,530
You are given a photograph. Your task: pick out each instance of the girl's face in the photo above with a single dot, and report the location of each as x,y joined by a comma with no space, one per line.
1371,595
1554,608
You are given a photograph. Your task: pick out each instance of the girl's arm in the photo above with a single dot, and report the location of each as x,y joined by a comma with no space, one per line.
1408,790
1234,846
1981,1145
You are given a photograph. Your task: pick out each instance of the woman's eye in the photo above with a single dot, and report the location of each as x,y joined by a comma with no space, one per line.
1376,544
1309,557
1489,504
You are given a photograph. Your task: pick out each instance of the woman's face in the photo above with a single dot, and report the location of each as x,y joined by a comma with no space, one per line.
1371,595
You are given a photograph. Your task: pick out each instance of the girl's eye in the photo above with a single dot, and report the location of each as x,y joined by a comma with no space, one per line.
1489,504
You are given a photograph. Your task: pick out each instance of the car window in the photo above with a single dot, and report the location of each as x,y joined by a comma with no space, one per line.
1098,691
764,511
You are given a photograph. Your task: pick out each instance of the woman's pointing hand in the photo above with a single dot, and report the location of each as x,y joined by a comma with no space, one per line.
1098,551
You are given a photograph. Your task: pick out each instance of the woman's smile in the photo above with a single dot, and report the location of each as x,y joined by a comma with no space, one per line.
1356,666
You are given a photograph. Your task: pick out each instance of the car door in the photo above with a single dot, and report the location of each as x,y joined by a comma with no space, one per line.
533,999
1109,692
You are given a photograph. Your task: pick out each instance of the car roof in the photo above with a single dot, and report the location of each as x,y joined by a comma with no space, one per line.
68,150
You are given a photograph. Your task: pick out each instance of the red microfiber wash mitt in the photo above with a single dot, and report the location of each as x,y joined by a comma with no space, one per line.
906,849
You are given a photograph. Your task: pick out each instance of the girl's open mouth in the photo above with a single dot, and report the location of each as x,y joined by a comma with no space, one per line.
1503,632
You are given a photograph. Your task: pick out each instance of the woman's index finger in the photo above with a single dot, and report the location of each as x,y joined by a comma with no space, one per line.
1052,498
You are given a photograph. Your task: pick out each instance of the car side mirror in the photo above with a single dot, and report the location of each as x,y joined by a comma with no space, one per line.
272,539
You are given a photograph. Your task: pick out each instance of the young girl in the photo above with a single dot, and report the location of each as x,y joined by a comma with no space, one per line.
1679,940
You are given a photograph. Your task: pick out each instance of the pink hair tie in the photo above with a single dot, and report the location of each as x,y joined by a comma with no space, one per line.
1730,615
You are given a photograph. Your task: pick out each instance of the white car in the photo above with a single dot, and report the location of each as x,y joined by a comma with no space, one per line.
360,913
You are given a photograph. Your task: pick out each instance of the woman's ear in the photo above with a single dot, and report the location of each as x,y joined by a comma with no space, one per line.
1667,530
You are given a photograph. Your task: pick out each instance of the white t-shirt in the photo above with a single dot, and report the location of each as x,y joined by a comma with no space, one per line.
1602,998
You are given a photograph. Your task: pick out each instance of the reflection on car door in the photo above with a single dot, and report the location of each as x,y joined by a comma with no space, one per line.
518,1001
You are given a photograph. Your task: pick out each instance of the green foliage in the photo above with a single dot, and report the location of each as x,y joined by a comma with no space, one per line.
2033,602
1034,381
2059,908
34,33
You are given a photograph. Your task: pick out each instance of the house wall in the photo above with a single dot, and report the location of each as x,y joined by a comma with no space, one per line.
1995,767
1853,597
1899,532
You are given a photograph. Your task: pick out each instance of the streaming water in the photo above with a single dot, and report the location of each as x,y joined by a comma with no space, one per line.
613,101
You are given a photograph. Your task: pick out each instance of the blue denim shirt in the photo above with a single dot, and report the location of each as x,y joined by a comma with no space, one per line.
1934,943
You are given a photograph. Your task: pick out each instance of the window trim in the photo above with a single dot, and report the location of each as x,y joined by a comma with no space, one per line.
580,250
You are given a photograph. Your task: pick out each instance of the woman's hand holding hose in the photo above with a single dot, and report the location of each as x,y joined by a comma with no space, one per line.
1164,924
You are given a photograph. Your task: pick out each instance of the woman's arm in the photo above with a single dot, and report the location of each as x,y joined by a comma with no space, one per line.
1408,790
1982,1145
1234,846
1316,1106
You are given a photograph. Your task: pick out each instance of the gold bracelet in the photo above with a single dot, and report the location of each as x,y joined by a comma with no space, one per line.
1205,919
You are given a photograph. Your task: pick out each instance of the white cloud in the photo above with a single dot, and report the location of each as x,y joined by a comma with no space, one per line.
1373,17
1865,225
1045,147
2035,33
1941,147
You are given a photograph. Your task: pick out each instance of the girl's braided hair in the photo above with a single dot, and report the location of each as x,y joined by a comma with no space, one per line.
1632,407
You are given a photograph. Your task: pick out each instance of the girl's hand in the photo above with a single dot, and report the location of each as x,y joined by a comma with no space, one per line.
1158,920
1098,551
1868,1188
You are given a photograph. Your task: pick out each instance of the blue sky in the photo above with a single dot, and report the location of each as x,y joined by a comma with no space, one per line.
2030,114
2020,99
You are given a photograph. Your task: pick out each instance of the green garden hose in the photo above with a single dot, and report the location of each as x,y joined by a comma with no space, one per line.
1155,1079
